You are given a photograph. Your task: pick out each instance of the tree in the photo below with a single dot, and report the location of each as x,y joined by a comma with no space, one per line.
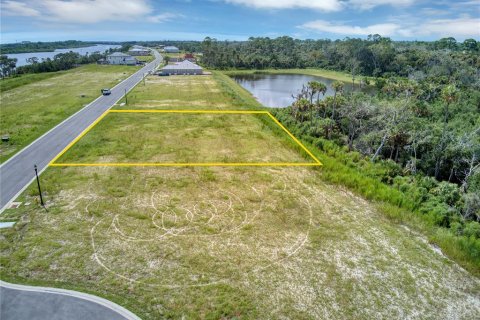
7,65
470,45
337,88
449,95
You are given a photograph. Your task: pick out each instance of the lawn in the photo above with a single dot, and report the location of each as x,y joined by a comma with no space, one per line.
206,92
146,59
33,104
221,242
161,138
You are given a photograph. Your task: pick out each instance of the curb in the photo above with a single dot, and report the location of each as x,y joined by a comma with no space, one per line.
75,294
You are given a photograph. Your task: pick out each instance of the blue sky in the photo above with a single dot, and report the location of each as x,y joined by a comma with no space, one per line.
49,20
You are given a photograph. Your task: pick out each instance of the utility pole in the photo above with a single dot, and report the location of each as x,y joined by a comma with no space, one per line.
126,101
144,79
38,184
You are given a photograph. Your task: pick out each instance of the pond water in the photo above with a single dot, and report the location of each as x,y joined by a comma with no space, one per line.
276,90
22,57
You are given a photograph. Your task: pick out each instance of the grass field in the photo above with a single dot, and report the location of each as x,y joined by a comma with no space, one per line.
222,242
147,59
33,104
161,138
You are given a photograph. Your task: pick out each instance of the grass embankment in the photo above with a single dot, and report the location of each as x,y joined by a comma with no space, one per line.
33,104
224,242
330,74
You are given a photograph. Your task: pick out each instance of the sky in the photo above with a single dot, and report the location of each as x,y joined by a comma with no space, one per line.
125,20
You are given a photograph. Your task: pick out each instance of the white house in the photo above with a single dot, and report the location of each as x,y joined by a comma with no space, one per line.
171,49
139,52
182,68
121,58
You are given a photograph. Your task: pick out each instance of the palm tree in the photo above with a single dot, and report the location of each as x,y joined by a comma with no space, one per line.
337,88
449,95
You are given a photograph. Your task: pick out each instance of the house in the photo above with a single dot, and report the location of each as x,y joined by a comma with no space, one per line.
139,52
121,58
182,68
171,49
174,60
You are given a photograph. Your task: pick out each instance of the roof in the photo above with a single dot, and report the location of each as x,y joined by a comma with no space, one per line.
170,48
138,49
182,66
119,54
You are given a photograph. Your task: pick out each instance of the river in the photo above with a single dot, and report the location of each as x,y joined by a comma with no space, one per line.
22,57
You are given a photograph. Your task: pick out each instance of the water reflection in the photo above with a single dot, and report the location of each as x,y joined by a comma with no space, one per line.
276,90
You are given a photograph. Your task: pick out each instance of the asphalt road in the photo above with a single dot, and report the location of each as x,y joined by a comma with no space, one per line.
38,303
17,173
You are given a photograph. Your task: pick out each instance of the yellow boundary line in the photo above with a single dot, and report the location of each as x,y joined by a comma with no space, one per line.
193,164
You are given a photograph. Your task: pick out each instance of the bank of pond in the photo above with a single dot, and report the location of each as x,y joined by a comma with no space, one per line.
278,90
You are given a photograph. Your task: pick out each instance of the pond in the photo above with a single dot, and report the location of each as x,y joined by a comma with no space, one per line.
276,90
22,57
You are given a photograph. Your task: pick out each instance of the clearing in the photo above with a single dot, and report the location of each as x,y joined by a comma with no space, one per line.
30,110
224,242
164,137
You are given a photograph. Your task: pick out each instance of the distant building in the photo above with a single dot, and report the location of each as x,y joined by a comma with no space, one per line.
174,60
190,57
182,68
121,58
139,52
171,49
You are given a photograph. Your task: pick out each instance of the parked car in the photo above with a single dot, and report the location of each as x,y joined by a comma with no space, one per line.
106,92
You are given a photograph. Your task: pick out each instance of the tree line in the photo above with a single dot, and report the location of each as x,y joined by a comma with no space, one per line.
27,46
375,56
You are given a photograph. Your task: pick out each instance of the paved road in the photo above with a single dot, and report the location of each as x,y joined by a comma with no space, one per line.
17,173
19,302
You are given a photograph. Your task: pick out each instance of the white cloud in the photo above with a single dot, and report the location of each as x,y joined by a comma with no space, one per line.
164,17
16,8
86,11
384,29
323,5
92,11
461,27
369,4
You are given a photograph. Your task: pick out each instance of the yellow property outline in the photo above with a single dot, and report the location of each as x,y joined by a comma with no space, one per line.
189,164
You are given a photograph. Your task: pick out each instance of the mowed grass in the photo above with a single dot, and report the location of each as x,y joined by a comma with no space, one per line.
41,102
227,243
181,138
215,92
147,59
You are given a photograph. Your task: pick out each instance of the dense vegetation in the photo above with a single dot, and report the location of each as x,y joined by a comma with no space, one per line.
374,56
419,134
27,46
